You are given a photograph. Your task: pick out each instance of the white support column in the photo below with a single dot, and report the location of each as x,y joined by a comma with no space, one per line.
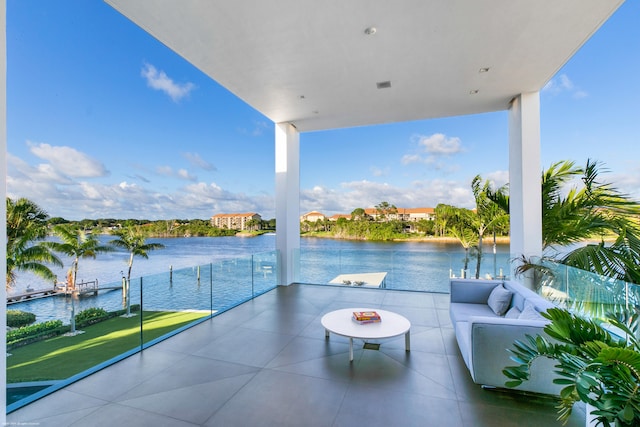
3,210
287,201
524,177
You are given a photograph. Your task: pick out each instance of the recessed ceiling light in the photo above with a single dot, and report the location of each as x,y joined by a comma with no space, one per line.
473,92
383,85
370,31
484,70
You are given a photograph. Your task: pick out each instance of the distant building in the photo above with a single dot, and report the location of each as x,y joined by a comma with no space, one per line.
401,214
235,221
312,216
416,214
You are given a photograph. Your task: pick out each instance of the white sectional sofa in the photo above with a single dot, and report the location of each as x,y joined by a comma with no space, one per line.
484,336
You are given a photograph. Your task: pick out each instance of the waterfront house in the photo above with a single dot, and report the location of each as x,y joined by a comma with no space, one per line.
312,216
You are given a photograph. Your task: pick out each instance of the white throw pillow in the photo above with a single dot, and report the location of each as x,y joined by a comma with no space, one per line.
500,300
530,313
513,313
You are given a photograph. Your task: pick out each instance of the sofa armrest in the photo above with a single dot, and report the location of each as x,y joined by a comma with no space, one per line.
491,337
471,291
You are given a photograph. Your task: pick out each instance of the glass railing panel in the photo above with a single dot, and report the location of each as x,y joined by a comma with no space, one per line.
232,282
53,356
265,272
492,265
584,292
158,306
405,270
173,301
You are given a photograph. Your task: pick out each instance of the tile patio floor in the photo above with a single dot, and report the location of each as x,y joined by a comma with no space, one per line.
267,363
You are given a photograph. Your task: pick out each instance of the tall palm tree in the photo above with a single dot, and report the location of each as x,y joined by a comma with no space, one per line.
27,223
488,214
593,209
459,223
77,244
133,241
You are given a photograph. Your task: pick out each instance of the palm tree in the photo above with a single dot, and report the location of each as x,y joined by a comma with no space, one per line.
460,225
26,223
488,214
443,215
77,244
133,241
595,209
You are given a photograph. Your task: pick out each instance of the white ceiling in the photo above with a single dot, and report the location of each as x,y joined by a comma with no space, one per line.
310,63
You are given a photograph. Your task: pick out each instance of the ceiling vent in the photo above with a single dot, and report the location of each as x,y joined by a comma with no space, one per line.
383,85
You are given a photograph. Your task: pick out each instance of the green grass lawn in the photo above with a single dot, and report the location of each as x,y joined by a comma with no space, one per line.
61,357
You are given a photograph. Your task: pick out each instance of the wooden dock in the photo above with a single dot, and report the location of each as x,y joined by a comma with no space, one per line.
28,296
81,289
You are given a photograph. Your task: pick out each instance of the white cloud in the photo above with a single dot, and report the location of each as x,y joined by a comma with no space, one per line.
164,170
197,161
497,178
184,174
67,161
180,173
72,198
367,194
438,144
159,80
432,148
563,83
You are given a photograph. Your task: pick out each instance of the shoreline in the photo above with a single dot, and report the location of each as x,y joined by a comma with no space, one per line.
427,239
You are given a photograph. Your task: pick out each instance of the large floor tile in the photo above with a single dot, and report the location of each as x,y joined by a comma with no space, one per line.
276,398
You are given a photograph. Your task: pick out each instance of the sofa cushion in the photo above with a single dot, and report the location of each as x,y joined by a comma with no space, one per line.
461,312
500,300
518,301
530,313
513,313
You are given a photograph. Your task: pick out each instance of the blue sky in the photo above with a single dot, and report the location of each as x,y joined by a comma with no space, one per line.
103,121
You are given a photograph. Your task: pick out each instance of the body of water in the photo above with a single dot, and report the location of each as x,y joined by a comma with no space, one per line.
228,272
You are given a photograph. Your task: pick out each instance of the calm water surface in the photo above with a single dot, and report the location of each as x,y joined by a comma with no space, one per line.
228,270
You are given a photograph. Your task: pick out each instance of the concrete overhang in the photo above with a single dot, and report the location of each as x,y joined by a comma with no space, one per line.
335,63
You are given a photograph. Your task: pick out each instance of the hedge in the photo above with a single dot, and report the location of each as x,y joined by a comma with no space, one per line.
32,331
41,331
19,318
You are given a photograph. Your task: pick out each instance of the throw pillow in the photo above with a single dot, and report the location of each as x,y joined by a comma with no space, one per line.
530,313
513,313
499,300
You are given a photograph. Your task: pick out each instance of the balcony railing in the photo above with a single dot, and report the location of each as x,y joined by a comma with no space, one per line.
419,270
160,306
583,292
165,304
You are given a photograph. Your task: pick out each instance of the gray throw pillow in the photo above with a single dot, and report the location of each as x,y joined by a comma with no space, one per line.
513,313
500,300
530,313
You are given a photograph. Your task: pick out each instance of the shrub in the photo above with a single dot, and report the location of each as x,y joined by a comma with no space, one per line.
18,318
39,329
91,315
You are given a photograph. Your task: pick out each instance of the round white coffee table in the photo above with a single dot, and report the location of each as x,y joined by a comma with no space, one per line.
392,325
